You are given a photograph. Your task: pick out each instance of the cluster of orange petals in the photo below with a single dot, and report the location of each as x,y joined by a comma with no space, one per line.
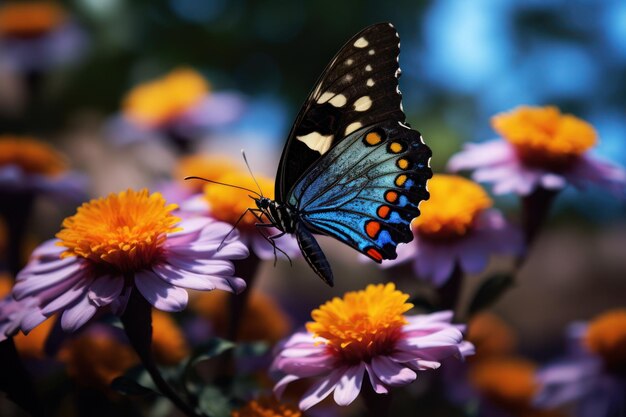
210,167
606,337
543,136
267,407
31,156
363,323
157,102
30,18
452,208
125,231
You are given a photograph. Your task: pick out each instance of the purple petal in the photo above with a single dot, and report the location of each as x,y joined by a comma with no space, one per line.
78,314
29,284
49,248
392,373
159,293
66,297
349,385
321,389
118,305
279,388
379,387
475,155
105,289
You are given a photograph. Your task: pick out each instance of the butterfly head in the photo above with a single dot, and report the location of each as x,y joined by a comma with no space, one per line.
263,203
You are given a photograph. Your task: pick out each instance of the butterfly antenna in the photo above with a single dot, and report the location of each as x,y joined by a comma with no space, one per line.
222,183
245,159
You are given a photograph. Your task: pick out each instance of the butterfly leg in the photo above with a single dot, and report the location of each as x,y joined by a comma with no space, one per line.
270,239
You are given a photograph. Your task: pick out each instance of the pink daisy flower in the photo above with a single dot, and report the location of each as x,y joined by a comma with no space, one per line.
457,226
541,148
366,332
122,243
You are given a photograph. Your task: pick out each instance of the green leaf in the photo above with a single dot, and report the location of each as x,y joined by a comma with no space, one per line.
212,402
211,349
252,349
128,386
489,292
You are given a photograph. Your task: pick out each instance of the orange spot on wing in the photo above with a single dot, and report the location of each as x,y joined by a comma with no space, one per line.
374,254
391,196
403,163
400,180
372,228
383,212
396,147
373,138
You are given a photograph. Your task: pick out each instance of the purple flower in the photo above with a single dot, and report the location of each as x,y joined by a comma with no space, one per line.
540,148
456,227
592,377
122,243
366,332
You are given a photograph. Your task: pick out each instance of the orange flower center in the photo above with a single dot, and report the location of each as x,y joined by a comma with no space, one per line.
606,336
544,137
157,102
266,407
453,206
124,231
362,324
509,382
28,19
491,336
31,156
228,204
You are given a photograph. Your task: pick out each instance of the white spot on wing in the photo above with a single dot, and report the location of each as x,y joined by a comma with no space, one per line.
325,97
348,77
361,43
352,127
349,61
370,82
363,103
371,52
368,67
317,142
338,101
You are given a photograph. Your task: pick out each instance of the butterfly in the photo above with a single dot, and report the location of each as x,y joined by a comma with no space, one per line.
352,168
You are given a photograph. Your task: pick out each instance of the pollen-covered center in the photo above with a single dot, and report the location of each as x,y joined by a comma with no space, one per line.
31,156
606,337
228,204
158,102
544,137
124,231
362,324
451,211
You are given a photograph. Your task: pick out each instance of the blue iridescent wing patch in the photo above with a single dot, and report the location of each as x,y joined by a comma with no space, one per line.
367,189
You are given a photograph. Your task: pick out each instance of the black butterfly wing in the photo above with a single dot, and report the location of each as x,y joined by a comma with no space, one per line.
358,88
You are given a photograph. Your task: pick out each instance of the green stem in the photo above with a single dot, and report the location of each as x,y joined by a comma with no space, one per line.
137,321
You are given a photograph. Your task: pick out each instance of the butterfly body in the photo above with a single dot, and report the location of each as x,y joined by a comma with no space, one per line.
352,169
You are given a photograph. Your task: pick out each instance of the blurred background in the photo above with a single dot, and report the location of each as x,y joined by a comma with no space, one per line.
462,62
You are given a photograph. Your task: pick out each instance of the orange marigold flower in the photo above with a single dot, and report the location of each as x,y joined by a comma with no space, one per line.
31,156
262,318
95,358
606,337
266,407
168,341
506,381
30,18
157,102
454,205
206,166
491,336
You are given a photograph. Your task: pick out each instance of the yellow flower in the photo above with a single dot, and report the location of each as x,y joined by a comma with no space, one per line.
124,231
262,318
95,359
205,166
266,407
228,204
363,323
168,342
543,136
31,156
454,205
506,381
159,101
30,18
491,336
606,337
